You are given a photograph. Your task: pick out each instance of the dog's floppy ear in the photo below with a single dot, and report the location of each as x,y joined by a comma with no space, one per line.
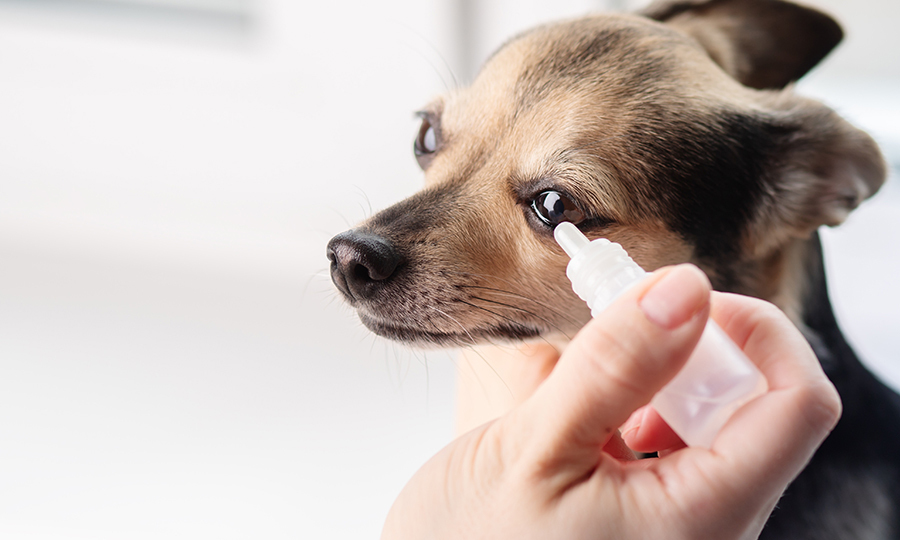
824,168
761,43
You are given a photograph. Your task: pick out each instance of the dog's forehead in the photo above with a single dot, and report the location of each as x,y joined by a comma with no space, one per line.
578,72
615,52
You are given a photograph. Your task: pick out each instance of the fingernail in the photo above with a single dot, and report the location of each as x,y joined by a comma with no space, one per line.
633,423
677,297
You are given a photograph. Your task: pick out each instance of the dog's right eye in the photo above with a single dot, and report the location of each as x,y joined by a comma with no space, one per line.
552,207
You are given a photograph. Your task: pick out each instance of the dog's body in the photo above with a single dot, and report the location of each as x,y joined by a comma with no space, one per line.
670,134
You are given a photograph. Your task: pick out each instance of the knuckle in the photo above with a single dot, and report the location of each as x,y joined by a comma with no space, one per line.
821,406
767,313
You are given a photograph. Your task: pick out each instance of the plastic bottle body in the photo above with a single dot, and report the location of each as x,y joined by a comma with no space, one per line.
717,379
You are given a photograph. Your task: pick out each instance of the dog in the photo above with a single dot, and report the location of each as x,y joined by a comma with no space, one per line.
676,133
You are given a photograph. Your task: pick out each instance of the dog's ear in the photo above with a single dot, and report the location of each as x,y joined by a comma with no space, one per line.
822,169
761,43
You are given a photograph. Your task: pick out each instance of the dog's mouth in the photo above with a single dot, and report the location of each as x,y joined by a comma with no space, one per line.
464,337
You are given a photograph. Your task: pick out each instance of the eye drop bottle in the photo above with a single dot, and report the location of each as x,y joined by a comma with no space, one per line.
717,379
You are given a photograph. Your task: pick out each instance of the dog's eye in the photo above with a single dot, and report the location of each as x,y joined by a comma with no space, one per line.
426,141
553,208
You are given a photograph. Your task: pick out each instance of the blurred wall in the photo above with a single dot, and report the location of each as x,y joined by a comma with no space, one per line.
167,135
174,363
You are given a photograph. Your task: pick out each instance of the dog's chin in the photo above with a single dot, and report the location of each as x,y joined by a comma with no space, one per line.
420,337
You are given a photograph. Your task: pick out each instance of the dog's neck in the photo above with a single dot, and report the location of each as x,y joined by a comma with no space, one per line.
804,297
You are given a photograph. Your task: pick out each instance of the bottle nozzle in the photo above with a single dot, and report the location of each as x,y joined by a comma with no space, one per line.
570,238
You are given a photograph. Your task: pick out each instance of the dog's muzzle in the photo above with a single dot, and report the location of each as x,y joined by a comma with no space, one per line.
361,262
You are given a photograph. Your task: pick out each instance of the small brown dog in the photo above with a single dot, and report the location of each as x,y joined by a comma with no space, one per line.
672,134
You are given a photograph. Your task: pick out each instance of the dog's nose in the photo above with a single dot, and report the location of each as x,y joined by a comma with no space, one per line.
360,261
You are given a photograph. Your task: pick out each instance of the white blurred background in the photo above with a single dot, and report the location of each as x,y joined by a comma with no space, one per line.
174,362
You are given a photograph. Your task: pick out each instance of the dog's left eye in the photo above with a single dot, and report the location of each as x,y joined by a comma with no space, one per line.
552,207
426,141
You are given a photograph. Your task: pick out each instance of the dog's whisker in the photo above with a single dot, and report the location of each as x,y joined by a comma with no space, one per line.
318,274
473,349
484,388
434,68
398,368
463,328
512,294
496,373
397,361
523,297
342,216
502,317
427,379
363,209
507,319
331,300
479,275
483,276
494,313
523,310
365,196
436,51
405,373
541,336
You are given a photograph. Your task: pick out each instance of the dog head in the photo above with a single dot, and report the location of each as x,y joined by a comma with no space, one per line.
670,133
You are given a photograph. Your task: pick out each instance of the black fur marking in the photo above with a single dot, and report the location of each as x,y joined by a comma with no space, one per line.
706,176
713,174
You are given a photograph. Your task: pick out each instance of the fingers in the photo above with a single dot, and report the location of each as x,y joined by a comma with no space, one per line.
617,448
768,442
768,337
646,431
770,340
614,365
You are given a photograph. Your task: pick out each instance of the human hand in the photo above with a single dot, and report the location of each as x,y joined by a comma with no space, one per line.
541,470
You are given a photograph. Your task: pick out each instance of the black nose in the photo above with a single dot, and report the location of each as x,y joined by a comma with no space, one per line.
360,262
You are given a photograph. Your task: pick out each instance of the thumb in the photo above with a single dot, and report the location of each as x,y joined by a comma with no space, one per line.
615,365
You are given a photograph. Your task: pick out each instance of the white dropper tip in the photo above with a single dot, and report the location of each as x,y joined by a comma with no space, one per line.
570,238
